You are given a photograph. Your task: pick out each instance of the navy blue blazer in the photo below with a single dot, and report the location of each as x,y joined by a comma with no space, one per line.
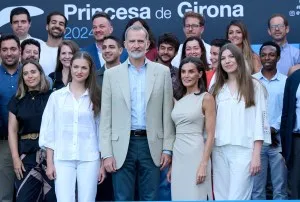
288,117
93,51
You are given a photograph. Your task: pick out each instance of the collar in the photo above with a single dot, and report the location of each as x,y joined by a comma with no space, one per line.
3,69
275,77
98,49
145,63
66,90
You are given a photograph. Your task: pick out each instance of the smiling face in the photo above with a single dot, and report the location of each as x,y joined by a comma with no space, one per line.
190,75
228,62
214,56
277,29
10,53
101,28
56,27
30,52
31,76
80,70
111,51
166,53
65,56
193,49
269,57
235,35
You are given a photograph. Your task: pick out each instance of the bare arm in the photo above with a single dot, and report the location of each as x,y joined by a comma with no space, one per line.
13,145
209,110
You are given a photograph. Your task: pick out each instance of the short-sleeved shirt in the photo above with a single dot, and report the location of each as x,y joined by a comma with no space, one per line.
29,110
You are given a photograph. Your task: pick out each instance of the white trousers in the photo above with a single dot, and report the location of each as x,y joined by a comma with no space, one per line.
231,172
86,173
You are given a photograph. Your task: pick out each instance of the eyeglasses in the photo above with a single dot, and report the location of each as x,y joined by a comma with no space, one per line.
278,26
193,26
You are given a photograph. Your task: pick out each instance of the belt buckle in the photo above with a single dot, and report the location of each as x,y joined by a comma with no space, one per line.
33,136
137,132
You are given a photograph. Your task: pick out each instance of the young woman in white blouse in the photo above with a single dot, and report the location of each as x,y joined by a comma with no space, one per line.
69,132
241,126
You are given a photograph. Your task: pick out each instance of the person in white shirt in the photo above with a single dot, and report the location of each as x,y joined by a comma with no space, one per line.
193,26
241,126
56,28
69,132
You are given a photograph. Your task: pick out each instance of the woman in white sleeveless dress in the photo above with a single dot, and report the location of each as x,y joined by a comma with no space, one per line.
193,113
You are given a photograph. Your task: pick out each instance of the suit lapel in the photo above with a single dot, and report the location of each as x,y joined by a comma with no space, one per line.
124,83
150,79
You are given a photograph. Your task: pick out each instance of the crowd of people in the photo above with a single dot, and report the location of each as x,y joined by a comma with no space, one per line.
147,119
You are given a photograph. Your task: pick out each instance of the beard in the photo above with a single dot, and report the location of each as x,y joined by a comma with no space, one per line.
56,35
165,61
136,54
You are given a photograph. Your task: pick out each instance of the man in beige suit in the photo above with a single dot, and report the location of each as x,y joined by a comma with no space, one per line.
136,130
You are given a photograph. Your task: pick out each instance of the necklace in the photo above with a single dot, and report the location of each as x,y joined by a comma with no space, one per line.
32,96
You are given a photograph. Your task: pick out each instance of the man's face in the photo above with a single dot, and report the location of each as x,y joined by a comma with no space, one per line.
214,56
192,27
269,57
111,51
10,53
56,27
136,43
166,53
277,29
20,25
101,28
30,52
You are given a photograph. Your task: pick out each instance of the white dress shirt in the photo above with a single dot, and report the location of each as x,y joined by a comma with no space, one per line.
237,125
69,127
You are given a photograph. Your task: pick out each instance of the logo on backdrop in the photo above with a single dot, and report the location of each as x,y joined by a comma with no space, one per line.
5,13
296,11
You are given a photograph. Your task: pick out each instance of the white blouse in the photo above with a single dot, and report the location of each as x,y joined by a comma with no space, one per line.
237,125
69,127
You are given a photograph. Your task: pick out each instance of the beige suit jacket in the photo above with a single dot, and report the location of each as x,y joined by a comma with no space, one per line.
115,124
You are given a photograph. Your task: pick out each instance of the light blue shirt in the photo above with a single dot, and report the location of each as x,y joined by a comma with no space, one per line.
289,57
137,83
275,88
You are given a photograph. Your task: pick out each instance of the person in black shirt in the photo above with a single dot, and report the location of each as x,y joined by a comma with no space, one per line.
60,76
25,115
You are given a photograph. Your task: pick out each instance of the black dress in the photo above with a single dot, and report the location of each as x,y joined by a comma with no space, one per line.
35,185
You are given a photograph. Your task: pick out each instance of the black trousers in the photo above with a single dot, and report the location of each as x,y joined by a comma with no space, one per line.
294,171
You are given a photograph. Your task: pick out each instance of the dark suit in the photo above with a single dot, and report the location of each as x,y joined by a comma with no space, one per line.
93,51
99,76
291,143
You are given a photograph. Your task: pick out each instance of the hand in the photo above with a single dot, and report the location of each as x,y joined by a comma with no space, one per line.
165,160
51,171
110,164
201,173
274,140
18,167
169,174
255,164
102,174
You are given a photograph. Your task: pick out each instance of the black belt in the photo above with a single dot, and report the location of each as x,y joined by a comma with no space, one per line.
3,137
138,132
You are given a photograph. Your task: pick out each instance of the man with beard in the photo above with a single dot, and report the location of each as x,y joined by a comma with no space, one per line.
20,21
10,55
168,45
102,27
56,27
271,155
193,25
31,50
278,28
137,132
111,52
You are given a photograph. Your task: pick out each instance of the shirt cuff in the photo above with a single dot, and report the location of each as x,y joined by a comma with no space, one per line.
167,152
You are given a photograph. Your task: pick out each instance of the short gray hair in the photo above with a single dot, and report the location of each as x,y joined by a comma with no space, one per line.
136,28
